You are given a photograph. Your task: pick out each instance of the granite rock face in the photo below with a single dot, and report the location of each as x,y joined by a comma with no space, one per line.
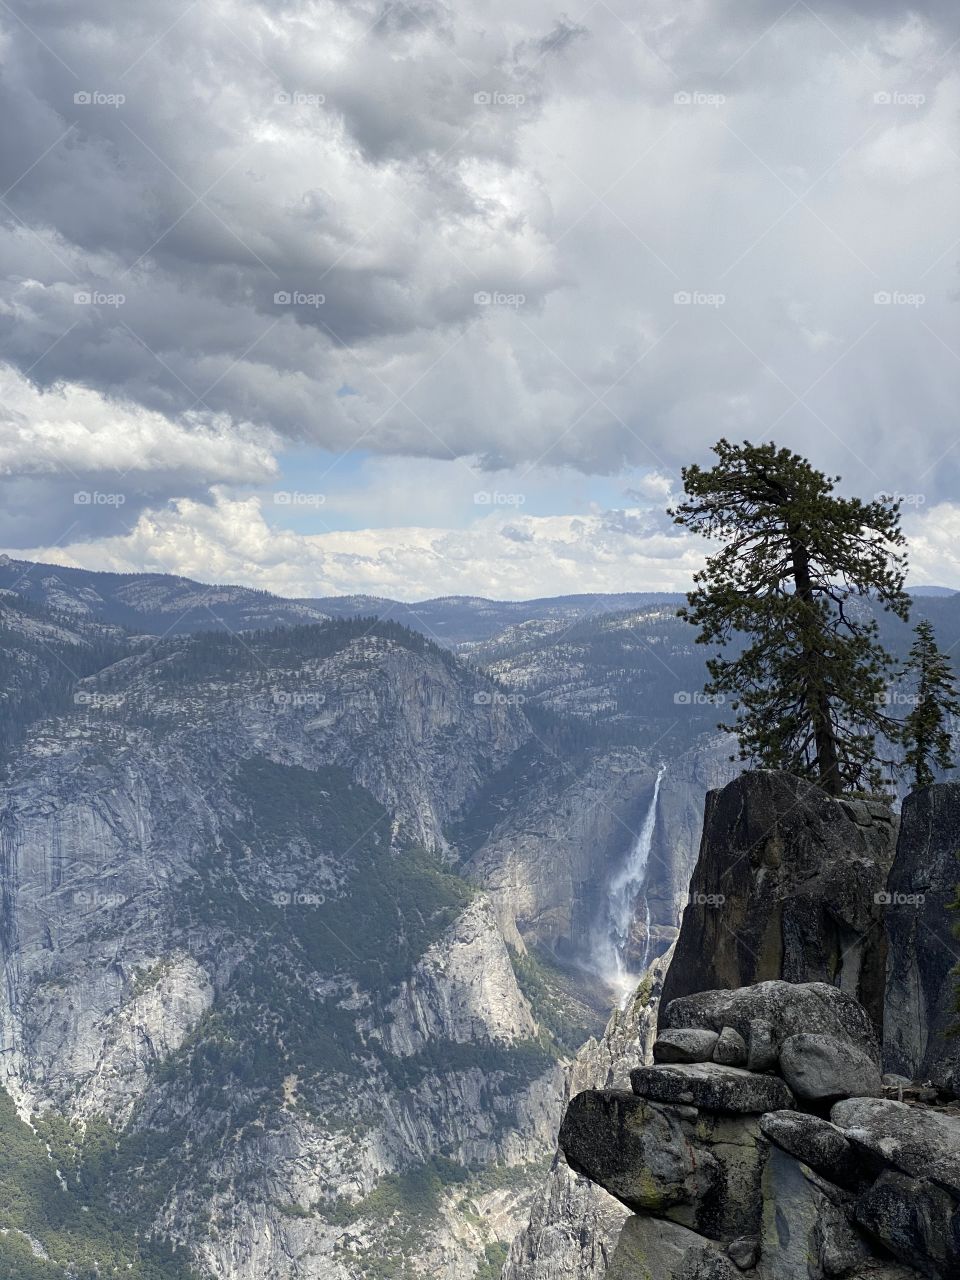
787,885
922,950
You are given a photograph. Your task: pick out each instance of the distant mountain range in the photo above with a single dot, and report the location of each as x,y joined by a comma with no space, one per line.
164,604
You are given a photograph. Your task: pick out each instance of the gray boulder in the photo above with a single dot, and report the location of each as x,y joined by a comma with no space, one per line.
915,1140
918,1222
697,1169
767,1013
730,1049
743,1252
635,1149
818,1144
786,886
704,1263
821,1068
713,1087
762,1051
685,1045
922,950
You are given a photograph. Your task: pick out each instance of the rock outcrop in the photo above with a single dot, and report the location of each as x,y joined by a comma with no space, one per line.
733,1173
789,884
921,991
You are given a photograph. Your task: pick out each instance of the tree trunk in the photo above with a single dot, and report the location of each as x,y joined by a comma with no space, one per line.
818,701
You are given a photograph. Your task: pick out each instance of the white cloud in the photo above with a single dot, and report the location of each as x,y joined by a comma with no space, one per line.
505,554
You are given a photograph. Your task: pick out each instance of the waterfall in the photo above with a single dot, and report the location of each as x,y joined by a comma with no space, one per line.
617,921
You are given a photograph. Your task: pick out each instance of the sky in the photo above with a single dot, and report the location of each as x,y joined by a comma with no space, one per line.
413,299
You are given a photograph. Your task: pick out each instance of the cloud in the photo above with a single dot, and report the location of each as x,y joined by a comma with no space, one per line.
523,241
502,555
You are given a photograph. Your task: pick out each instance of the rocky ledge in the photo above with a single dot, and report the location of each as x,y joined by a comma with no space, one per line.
761,1144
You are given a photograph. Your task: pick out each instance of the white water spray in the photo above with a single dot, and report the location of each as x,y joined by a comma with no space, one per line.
616,926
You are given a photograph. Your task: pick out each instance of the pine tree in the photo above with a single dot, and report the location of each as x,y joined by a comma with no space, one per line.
796,582
925,729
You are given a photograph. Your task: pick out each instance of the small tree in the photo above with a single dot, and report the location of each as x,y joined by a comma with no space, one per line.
796,563
925,729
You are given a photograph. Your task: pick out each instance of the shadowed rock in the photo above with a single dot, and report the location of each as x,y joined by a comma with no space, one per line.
922,949
787,885
819,1144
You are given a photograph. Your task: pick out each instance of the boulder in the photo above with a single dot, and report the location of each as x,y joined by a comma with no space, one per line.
787,885
713,1087
840,1249
818,1144
761,1045
921,988
697,1169
730,1049
821,1068
743,1252
918,1222
704,1263
687,1045
767,1013
915,1140
635,1149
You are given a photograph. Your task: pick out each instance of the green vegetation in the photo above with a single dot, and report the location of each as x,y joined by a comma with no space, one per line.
795,563
557,1004
82,1236
494,1256
926,731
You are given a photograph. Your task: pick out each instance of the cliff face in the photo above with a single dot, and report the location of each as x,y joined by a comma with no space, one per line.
548,861
230,933
789,884
923,951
